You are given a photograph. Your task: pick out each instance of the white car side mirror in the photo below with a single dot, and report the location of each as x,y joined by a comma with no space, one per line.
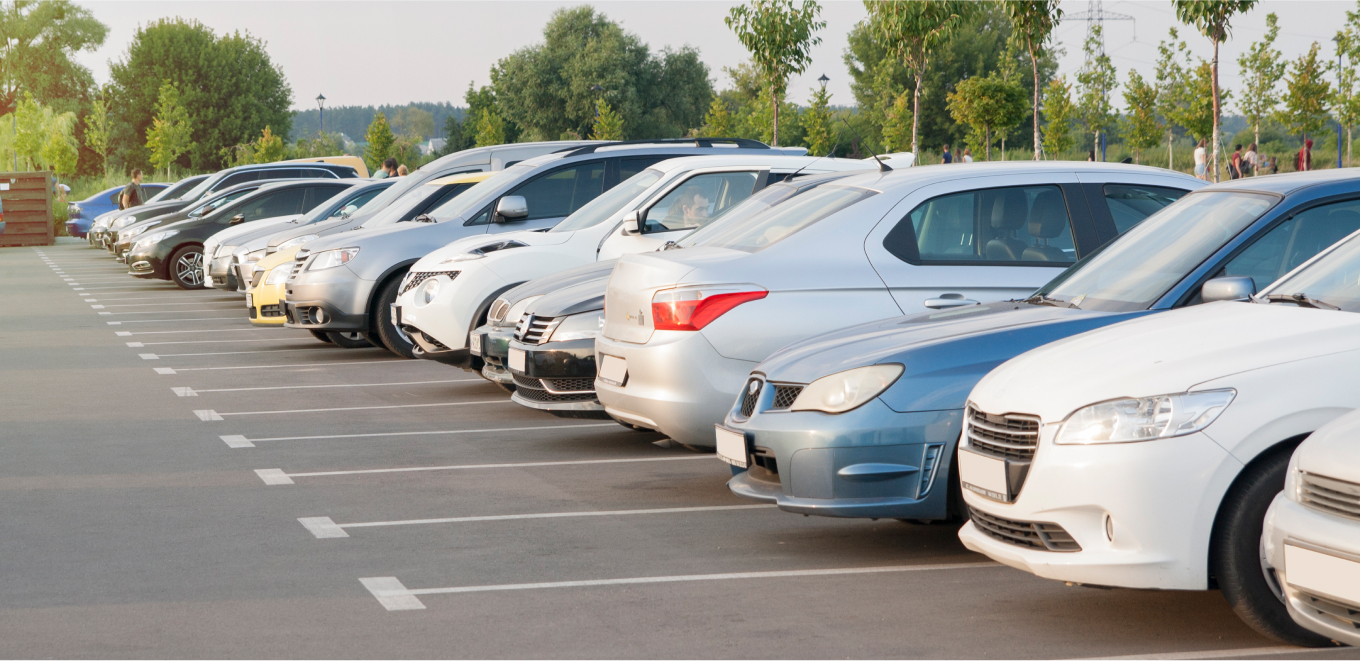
631,224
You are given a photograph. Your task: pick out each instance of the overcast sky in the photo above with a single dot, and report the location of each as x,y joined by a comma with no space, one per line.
361,53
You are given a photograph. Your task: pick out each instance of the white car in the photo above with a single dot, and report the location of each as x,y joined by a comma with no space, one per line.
221,245
685,328
1145,454
1311,541
449,292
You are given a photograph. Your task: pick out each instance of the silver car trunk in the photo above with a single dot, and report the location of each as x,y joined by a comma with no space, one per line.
628,298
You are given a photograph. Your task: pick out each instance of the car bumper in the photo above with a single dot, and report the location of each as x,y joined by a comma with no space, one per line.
337,292
559,378
448,317
676,384
221,274
264,304
1303,527
1160,498
492,345
870,462
149,262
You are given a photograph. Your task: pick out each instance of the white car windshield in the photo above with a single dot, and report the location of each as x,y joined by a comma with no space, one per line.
1332,282
769,226
466,203
601,208
1138,268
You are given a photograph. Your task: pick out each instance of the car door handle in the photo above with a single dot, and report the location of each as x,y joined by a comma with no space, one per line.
946,301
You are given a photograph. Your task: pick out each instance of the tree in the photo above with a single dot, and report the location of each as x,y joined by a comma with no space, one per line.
1345,101
718,121
608,125
817,130
913,31
1096,81
269,148
324,144
987,104
1305,101
780,38
1170,89
897,124
456,136
228,85
97,131
30,120
379,138
1142,129
1211,18
40,42
490,129
1059,112
1033,22
60,150
171,130
413,122
1262,68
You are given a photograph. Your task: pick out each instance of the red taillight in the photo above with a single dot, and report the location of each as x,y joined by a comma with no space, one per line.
692,309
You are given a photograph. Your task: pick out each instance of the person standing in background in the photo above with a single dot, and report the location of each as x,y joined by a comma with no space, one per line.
947,157
1201,168
402,171
1235,164
967,155
1305,159
132,193
1249,161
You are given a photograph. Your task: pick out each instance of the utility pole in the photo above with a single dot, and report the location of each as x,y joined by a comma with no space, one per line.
1095,16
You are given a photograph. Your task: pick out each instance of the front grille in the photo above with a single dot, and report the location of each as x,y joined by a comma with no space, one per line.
534,391
750,394
270,310
1326,608
764,457
1037,536
414,278
527,382
1329,495
784,396
535,330
574,384
498,310
1010,436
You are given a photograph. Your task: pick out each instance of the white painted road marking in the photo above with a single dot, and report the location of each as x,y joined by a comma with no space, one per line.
393,361
184,392
236,441
167,321
135,345
147,356
322,527
138,305
97,307
333,529
215,330
410,433
208,415
122,333
320,347
165,370
272,339
365,408
278,474
170,311
346,385
395,596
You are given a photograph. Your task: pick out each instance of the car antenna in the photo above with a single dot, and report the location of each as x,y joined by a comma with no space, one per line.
833,150
882,167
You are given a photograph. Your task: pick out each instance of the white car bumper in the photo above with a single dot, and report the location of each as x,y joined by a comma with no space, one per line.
1159,497
1324,611
448,317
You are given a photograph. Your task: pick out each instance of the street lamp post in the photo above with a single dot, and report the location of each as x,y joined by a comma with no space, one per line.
321,112
823,81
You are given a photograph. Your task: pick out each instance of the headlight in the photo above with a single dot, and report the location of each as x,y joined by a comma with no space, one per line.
845,391
101,223
1291,478
1144,418
73,208
154,238
123,221
279,274
584,326
253,256
427,290
223,251
296,241
332,258
128,234
463,257
517,310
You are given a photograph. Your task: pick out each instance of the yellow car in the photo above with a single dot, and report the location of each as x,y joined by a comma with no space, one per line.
264,299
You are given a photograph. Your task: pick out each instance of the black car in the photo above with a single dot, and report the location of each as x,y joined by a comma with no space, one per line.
175,251
123,241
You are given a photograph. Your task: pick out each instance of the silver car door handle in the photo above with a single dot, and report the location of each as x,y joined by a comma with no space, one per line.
949,301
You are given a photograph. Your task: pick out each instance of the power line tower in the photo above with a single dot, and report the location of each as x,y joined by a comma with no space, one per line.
1095,17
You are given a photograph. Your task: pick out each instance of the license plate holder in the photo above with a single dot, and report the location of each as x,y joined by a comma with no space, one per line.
396,315
516,360
732,447
475,344
1322,573
984,475
613,370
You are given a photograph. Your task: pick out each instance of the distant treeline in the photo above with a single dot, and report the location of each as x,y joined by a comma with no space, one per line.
353,121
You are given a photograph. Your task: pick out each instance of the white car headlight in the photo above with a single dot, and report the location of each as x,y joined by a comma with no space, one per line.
427,290
279,274
848,390
123,221
128,234
223,251
154,238
463,257
584,326
1144,418
296,241
517,310
253,256
327,259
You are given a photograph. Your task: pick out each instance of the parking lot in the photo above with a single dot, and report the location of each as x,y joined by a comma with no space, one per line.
178,483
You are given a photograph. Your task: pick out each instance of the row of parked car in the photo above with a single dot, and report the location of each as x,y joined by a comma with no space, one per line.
1119,376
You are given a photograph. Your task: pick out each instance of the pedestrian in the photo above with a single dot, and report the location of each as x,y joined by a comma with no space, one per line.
967,155
391,166
1091,156
1250,161
132,193
401,170
1274,164
1305,158
947,157
1235,164
1201,165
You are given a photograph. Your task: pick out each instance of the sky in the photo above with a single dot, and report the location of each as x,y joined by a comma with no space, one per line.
383,52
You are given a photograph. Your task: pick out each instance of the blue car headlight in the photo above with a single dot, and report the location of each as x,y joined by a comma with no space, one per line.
848,390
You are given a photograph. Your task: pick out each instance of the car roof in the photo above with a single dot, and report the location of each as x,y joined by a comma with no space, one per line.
270,184
700,146
465,178
463,156
923,175
775,160
1286,183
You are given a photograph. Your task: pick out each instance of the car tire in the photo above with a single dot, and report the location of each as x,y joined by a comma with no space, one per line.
1235,554
388,335
351,340
186,267
321,335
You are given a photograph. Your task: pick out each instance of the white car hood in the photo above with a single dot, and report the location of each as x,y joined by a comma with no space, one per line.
225,236
1162,353
1332,451
432,261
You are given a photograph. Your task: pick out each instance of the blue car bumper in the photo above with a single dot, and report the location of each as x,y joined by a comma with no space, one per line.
871,462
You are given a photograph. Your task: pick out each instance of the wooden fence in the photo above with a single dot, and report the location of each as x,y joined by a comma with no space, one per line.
26,209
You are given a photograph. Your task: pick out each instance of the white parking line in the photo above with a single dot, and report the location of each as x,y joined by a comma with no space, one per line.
140,305
1239,653
367,408
194,393
272,339
224,330
166,321
397,361
243,442
274,476
324,528
243,315
320,347
394,596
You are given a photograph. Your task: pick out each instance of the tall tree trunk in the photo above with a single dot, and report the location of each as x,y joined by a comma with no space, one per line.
1348,146
916,115
1038,146
1170,164
774,101
987,132
1213,79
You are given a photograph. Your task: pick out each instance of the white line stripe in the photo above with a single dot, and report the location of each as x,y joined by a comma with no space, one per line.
554,515
243,313
270,367
366,408
155,298
426,433
208,415
322,527
184,392
1224,654
533,464
344,385
233,353
166,321
273,476
278,339
224,330
139,305
392,594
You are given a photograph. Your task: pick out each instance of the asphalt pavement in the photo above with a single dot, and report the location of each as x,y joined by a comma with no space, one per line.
177,483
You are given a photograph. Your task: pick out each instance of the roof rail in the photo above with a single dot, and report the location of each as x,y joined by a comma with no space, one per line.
697,142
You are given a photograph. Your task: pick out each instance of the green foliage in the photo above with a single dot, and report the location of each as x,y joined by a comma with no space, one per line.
545,90
325,144
1262,68
897,123
1305,101
490,129
456,136
171,129
380,139
30,120
227,83
1185,90
1033,22
779,37
270,148
1345,102
988,104
1142,129
60,149
608,124
1096,81
1059,114
43,38
1211,18
912,31
817,131
97,130
718,122
354,120
413,122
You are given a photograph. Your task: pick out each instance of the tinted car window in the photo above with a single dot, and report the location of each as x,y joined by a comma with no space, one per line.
774,224
1129,205
635,164
357,203
996,225
269,205
447,193
558,194
237,178
218,202
702,197
1295,241
316,173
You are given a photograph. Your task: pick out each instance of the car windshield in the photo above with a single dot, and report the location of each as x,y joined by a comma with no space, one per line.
759,227
601,208
1138,268
399,189
216,203
202,187
403,205
747,209
177,190
1331,282
465,204
160,196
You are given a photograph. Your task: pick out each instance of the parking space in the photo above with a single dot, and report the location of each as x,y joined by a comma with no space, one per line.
180,482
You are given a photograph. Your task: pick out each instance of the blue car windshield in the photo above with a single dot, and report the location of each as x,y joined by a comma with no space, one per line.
1142,265
1331,282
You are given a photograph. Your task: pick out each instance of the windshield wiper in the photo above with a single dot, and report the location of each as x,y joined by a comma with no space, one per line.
1042,299
670,245
1300,299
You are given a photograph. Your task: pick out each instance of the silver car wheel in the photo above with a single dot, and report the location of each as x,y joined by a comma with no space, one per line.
189,268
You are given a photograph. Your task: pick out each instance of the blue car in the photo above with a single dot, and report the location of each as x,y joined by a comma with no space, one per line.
81,214
864,421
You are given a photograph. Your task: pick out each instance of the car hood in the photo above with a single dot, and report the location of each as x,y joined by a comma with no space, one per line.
561,280
1332,451
281,257
586,296
468,243
245,232
1163,353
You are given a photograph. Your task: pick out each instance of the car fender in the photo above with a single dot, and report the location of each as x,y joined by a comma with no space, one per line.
396,270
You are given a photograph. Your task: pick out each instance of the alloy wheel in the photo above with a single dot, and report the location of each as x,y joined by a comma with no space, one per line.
189,268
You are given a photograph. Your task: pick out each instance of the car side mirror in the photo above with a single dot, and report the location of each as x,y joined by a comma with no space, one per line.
511,207
632,223
1233,288
237,219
